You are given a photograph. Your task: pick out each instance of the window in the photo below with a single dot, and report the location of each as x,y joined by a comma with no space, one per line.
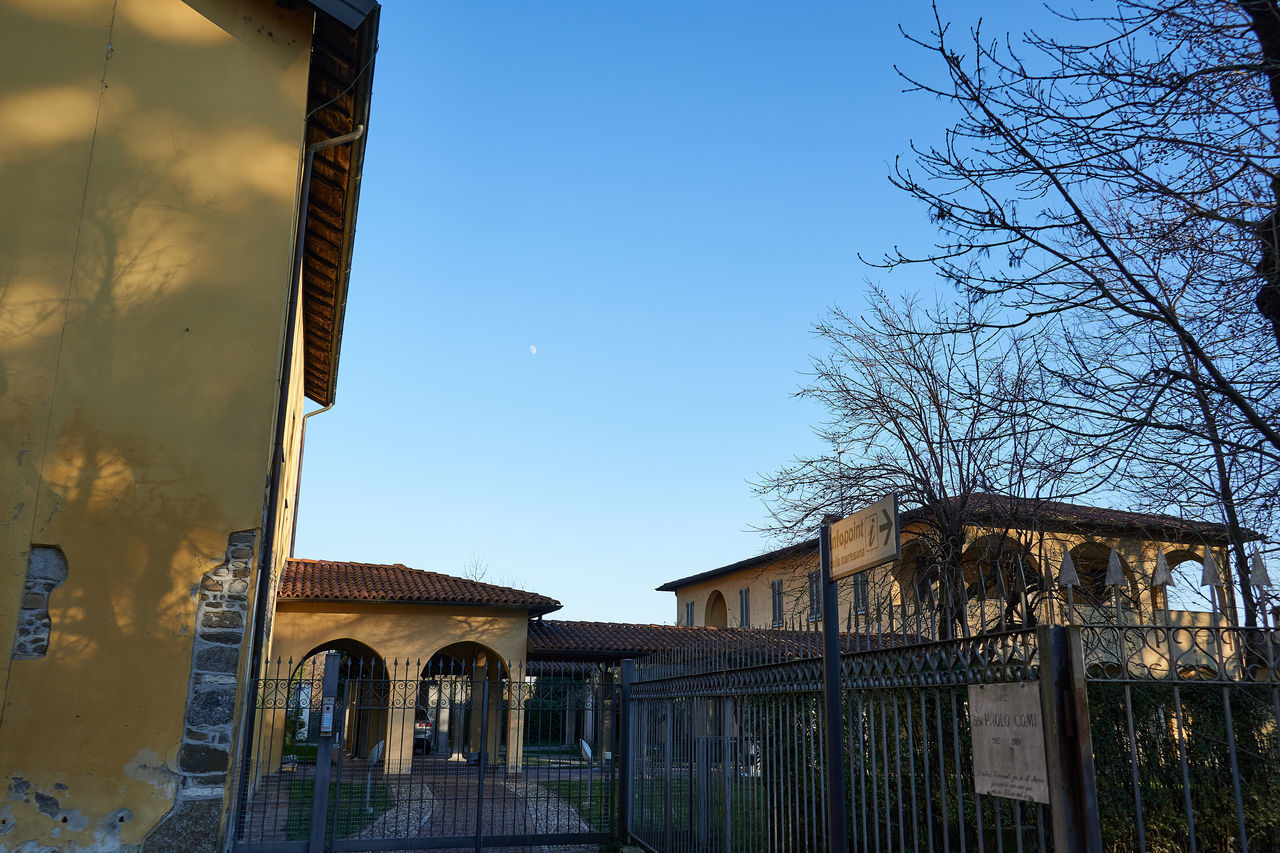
688,613
775,593
860,596
744,607
815,596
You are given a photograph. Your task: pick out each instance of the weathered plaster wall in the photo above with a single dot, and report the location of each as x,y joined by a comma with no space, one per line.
151,166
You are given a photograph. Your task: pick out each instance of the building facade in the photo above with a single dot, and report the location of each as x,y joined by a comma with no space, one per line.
172,279
1012,555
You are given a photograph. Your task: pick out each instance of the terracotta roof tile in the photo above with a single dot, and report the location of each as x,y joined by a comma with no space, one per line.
322,580
566,635
555,639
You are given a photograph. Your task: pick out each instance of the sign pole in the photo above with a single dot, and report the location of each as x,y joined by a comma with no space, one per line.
836,800
846,546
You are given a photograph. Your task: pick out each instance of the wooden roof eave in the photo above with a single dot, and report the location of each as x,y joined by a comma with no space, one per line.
339,94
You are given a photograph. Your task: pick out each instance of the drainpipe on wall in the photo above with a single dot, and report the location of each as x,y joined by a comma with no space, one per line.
271,512
297,486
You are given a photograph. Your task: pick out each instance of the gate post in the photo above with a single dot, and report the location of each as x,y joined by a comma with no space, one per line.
329,722
1073,791
833,730
626,759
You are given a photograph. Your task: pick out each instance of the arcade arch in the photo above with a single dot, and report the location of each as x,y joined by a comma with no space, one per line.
1091,560
361,672
1185,593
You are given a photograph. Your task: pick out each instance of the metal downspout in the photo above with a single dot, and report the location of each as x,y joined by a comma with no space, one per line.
297,485
271,512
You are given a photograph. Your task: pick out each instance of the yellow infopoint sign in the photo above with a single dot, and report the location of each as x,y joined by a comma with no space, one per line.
865,539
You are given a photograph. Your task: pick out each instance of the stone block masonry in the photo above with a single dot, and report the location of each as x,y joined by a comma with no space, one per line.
46,570
204,758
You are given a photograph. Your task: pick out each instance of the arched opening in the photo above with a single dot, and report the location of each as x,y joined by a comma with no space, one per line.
1186,567
454,687
999,569
1091,560
916,578
362,680
717,613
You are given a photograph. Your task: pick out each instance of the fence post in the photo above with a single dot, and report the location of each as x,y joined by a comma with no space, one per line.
626,759
329,722
484,747
837,836
1073,791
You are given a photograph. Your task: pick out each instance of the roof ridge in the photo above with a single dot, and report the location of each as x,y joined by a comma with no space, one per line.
313,579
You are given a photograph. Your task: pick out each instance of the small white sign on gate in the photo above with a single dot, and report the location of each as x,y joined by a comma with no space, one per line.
1008,741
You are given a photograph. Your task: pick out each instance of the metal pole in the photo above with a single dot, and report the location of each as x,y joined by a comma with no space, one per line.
1069,745
626,759
836,822
329,717
484,746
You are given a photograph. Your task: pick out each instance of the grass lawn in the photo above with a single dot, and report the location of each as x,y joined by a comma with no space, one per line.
348,801
600,814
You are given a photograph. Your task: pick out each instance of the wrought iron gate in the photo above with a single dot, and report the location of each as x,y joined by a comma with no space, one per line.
728,750
355,755
1157,738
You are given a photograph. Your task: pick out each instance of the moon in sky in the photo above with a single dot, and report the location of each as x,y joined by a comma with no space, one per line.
533,350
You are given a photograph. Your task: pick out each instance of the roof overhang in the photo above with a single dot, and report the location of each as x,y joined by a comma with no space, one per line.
524,611
339,91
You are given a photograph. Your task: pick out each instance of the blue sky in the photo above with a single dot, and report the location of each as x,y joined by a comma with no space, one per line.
661,198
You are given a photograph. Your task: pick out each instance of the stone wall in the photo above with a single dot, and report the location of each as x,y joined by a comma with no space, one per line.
46,570
204,758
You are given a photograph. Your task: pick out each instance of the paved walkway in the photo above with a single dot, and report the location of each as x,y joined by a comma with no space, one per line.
438,799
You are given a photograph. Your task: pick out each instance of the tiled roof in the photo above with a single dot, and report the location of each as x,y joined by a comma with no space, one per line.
1047,513
565,640
568,636
322,580
1001,509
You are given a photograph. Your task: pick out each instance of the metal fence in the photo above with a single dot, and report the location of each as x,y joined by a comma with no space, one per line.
1158,738
358,755
1184,727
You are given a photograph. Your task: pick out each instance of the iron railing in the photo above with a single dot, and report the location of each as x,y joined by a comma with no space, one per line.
1158,737
446,755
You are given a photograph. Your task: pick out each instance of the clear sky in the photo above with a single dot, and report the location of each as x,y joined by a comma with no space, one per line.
661,198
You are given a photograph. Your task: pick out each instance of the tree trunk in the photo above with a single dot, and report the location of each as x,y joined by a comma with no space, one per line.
1264,18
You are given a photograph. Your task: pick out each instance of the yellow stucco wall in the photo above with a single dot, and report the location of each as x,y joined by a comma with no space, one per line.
886,582
145,250
397,632
405,636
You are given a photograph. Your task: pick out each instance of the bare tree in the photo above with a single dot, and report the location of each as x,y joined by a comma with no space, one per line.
941,419
1175,447
476,568
1126,175
1117,185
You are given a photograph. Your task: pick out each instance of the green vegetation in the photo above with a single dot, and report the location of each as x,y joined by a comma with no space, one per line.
347,801
599,815
1160,775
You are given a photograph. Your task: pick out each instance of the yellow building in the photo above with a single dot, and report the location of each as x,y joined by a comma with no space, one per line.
401,622
172,283
1012,554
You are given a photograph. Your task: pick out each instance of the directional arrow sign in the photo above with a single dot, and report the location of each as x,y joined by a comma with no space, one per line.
865,539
